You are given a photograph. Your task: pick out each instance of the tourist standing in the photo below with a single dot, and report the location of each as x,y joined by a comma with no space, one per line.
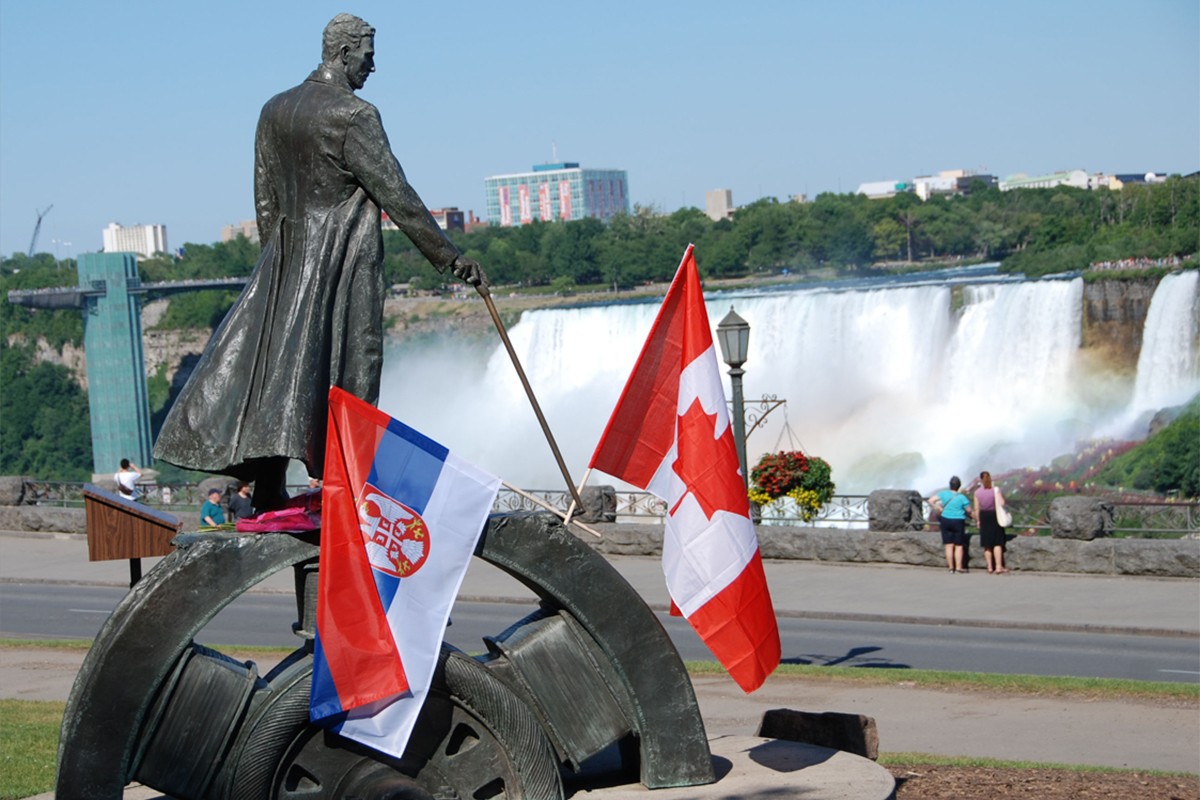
240,506
991,535
211,513
953,507
127,477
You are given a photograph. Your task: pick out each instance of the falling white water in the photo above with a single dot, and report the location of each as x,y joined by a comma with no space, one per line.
1168,371
895,387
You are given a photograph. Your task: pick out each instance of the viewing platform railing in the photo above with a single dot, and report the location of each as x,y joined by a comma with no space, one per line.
1143,519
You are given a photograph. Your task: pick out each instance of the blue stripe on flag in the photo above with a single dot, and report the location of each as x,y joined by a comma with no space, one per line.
322,685
407,465
386,585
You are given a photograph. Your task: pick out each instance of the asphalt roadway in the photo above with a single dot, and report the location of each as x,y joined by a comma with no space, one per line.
1137,734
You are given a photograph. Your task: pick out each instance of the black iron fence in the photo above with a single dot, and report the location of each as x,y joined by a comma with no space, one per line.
1143,519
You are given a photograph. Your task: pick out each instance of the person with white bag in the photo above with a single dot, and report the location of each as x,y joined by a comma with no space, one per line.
992,518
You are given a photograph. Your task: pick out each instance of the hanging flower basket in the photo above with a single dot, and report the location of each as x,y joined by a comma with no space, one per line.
807,480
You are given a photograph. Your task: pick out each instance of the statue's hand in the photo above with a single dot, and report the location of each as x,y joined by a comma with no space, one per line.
468,269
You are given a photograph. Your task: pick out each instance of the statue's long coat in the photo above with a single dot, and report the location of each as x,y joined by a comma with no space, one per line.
311,315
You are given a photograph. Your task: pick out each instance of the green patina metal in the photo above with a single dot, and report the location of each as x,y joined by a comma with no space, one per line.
112,339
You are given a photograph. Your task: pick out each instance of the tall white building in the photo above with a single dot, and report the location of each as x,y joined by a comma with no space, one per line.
145,240
718,204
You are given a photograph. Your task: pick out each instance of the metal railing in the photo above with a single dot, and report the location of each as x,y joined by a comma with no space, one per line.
1147,519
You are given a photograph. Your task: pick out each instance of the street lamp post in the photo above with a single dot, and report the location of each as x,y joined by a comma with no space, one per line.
733,334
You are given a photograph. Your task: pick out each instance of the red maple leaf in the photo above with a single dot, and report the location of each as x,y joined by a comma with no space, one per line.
708,466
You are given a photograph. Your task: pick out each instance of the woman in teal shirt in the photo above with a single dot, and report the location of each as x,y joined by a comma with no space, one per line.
953,506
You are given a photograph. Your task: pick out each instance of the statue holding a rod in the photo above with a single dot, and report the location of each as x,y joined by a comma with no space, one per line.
311,315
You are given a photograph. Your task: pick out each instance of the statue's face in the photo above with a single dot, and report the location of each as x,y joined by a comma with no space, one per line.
360,61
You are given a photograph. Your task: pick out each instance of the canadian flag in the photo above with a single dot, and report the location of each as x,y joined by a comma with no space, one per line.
670,435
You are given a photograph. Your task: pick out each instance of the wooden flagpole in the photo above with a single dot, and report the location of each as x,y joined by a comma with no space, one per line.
537,409
573,506
539,501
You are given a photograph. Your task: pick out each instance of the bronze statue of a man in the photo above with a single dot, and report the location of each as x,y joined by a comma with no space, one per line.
311,315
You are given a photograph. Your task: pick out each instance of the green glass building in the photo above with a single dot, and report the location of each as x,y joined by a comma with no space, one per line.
112,343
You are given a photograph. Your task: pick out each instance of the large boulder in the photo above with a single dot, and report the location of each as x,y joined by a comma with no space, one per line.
1081,517
222,483
12,490
599,504
44,519
895,510
853,733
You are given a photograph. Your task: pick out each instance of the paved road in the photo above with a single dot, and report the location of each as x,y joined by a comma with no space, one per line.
40,610
1134,734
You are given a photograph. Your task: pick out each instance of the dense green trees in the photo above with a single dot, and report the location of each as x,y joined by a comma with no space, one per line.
44,428
1032,231
1169,461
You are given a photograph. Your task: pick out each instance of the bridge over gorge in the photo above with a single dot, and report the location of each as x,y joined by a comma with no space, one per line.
109,294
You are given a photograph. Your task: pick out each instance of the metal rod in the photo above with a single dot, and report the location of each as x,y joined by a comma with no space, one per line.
491,307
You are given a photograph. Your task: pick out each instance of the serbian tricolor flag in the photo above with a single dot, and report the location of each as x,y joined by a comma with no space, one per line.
401,518
670,435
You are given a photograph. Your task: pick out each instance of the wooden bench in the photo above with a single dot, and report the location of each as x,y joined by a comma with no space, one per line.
120,528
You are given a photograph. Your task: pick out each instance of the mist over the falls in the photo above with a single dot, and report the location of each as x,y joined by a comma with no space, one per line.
896,386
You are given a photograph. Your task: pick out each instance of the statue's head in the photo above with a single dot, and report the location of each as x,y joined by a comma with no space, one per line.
348,44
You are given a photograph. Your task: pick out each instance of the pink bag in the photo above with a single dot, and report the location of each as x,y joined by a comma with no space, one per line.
302,513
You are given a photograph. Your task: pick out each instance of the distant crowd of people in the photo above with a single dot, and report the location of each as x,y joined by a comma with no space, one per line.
955,507
1138,263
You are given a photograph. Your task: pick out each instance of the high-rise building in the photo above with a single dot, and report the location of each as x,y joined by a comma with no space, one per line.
247,228
718,204
563,191
145,240
448,219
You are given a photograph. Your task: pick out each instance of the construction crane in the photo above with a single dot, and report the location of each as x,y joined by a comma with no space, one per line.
38,228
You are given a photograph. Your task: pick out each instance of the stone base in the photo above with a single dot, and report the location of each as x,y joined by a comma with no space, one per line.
751,767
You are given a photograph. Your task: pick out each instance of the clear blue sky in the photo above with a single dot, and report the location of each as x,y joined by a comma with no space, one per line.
144,112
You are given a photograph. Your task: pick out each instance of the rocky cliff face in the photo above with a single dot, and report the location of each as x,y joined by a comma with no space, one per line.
1114,316
169,348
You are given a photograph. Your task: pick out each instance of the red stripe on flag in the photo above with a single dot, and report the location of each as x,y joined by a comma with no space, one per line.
355,637
738,626
641,430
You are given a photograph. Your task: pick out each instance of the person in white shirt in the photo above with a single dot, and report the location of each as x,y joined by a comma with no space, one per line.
127,477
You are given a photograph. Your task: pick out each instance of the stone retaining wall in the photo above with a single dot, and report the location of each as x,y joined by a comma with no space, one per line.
1174,558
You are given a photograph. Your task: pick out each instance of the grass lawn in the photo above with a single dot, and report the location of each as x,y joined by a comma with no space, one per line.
28,746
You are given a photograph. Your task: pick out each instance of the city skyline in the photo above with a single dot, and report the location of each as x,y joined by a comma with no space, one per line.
145,113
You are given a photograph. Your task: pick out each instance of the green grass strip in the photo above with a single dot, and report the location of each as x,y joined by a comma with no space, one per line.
46,644
901,759
979,681
28,746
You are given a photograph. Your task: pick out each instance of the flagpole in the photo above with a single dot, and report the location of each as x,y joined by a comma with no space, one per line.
539,501
537,409
573,506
